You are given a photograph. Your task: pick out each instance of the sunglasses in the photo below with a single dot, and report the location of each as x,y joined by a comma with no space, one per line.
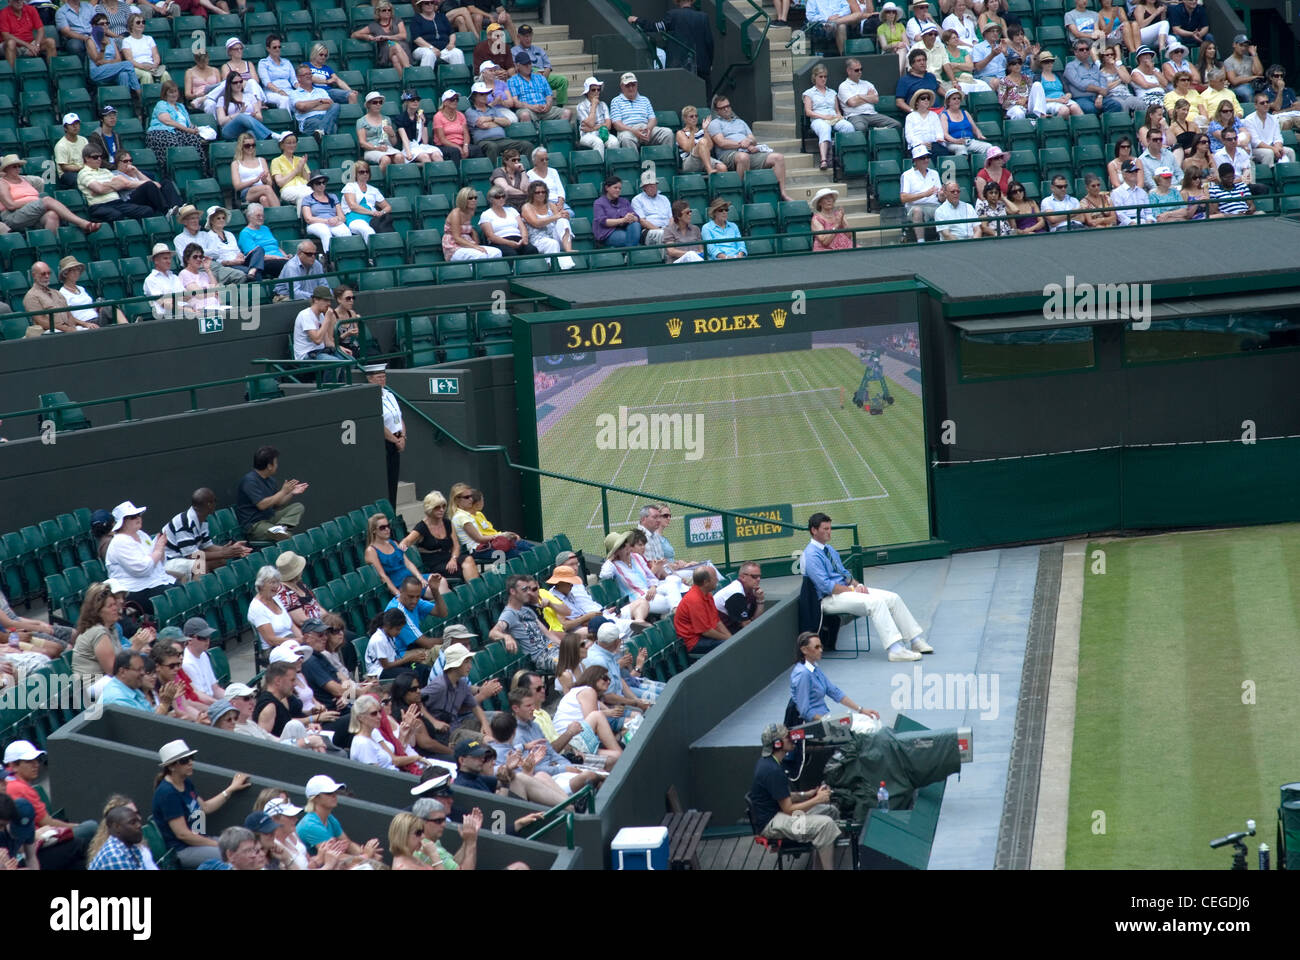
436,820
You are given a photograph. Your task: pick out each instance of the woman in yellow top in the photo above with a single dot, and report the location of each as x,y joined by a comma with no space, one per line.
290,172
891,35
477,535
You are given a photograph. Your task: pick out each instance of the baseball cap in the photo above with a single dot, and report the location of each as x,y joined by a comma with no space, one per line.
1130,167
469,748
70,118
313,625
21,750
23,827
171,633
259,822
525,28
322,292
1239,38
1164,172
449,95
286,652
480,87
238,689
493,26
197,627
772,733
436,781
277,807
522,57
628,77
323,784
608,632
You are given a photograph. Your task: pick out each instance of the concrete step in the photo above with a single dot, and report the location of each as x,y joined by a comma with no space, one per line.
787,145
801,162
573,63
562,48
774,129
545,34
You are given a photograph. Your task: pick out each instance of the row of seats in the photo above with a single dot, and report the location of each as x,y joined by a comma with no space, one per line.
38,551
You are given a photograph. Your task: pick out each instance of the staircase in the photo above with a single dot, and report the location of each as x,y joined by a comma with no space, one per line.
781,133
568,57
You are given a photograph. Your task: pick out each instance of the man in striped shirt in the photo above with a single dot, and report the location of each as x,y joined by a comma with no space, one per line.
190,549
1230,195
632,117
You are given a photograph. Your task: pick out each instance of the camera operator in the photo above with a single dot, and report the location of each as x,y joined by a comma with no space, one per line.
805,816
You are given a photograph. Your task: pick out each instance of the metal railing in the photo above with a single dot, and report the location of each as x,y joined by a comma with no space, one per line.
563,813
750,48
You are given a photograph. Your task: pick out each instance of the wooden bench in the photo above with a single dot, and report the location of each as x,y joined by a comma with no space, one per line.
685,831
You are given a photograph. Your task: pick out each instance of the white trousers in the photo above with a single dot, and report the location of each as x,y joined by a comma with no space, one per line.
428,56
322,232
469,253
887,612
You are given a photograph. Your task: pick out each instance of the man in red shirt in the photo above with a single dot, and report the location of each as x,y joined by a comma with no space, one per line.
23,765
23,33
696,620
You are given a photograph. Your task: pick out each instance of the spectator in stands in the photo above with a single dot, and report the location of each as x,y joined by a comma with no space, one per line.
256,236
859,98
529,736
1232,153
1189,22
178,810
487,125
628,687
1123,154
24,33
1150,23
1023,211
275,75
318,825
1145,79
188,541
931,45
1195,193
263,508
387,558
314,105
364,203
1059,209
960,132
1200,155
505,229
388,34
1154,156
323,213
122,847
202,81
224,249
822,108
106,62
1087,85
1014,89
163,285
615,224
1243,67
496,78
1019,44
557,611
199,280
830,19
742,601
1094,204
170,126
959,66
134,559
891,34
67,150
694,35
633,117
324,76
735,145
368,744
159,195
100,188
1266,135
548,226
1168,203
682,238
267,616
123,688
72,21
1282,102
434,812
509,176
1183,90
919,20
1224,119
840,593
1048,97
695,145
106,137
696,618
989,56
294,595
1130,194
919,187
440,549
1230,194
922,127
299,271
55,637
451,132
40,296
460,241
239,110
433,37
993,171
518,626
542,171
721,236
313,330
375,135
413,131
633,573
541,64
295,733
779,813
196,664
1116,79
1182,130
99,635
187,704
594,124
581,705
653,209
249,174
142,51
190,235
409,847
23,762
1083,24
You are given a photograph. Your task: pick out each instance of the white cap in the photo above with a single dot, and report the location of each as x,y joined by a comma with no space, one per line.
628,77
286,652
375,368
70,118
1164,172
322,784
238,689
920,150
480,87
234,42
448,95
374,95
589,83
124,510
649,177
486,65
116,586
21,750
281,808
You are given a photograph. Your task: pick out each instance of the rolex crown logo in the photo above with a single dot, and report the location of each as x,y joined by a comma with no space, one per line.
674,327
778,318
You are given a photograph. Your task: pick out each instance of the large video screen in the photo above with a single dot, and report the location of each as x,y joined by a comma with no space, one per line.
781,424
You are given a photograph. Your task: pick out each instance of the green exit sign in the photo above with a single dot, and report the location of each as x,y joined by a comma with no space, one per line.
211,324
444,386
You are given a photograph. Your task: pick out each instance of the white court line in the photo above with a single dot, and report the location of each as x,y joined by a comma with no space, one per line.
826,453
814,503
735,423
613,477
641,486
728,376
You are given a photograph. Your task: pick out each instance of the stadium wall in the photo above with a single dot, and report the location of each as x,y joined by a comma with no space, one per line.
159,462
89,759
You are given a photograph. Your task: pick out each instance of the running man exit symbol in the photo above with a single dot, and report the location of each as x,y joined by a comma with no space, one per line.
444,386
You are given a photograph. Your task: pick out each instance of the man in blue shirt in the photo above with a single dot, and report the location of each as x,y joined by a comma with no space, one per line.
840,593
990,56
1085,83
1189,22
124,688
915,79
415,609
534,91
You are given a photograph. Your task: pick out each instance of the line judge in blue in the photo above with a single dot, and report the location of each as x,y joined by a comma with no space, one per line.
840,593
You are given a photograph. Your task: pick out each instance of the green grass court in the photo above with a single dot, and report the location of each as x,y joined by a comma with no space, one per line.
1163,743
857,467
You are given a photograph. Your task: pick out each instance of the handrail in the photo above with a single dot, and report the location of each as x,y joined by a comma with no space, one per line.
748,48
588,793
606,488
625,10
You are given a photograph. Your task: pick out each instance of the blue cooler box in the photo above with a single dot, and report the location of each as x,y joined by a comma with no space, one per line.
640,848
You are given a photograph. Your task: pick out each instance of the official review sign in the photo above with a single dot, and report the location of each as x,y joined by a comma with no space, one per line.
703,529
